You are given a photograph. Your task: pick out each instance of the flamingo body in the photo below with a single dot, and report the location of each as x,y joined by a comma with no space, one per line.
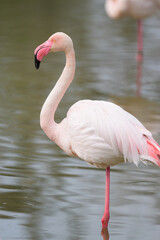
137,9
103,134
99,132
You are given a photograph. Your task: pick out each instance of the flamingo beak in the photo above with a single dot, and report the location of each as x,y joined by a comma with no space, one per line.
42,51
36,62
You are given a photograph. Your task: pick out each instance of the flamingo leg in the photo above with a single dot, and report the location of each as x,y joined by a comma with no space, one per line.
105,218
139,57
140,41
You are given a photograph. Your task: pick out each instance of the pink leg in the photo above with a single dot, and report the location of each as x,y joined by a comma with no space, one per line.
140,42
139,57
105,218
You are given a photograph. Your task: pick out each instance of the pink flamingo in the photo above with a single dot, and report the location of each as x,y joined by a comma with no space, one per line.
137,9
99,132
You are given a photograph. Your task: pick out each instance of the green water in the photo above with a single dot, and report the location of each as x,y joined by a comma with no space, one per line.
45,194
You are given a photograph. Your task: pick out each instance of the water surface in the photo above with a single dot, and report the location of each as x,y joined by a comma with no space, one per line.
45,194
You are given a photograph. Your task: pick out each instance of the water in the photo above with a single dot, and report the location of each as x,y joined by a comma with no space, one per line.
45,194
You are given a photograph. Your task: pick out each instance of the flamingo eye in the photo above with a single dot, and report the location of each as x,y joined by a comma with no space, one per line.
54,40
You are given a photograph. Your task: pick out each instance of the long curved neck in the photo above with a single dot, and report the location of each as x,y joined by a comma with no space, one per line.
50,105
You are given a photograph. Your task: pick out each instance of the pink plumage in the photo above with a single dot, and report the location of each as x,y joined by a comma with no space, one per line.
154,151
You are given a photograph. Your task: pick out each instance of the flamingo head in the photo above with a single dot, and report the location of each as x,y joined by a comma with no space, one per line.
56,43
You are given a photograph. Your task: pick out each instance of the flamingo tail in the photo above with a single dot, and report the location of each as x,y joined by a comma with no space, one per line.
153,152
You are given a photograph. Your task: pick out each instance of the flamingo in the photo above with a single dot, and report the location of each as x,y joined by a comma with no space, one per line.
137,9
99,132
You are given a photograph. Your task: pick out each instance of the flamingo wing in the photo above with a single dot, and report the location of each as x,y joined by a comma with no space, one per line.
92,148
101,132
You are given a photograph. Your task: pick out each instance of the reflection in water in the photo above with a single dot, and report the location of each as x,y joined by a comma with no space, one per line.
139,79
105,233
45,194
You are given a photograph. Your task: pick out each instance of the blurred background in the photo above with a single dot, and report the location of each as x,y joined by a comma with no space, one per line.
45,194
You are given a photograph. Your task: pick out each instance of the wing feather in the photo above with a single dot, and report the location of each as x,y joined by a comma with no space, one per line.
90,147
100,132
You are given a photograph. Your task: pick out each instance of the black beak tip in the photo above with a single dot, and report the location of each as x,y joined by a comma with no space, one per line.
37,62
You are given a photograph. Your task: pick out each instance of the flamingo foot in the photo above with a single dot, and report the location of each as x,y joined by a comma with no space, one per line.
105,221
